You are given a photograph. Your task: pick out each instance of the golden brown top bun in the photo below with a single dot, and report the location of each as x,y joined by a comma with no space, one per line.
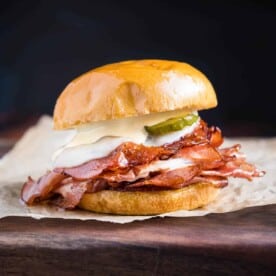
132,88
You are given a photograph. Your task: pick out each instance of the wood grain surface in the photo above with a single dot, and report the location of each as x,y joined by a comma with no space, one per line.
241,243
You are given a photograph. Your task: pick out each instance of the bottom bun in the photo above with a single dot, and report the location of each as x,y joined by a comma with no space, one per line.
149,203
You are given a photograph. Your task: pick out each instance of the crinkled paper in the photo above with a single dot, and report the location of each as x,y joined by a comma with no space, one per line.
32,156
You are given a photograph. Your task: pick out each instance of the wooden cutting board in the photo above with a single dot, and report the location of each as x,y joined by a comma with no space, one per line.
238,243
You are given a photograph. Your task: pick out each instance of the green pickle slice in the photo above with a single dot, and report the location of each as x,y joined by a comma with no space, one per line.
172,124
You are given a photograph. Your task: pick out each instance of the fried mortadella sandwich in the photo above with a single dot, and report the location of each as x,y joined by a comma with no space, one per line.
140,146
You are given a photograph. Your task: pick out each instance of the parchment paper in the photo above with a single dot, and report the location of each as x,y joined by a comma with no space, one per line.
32,156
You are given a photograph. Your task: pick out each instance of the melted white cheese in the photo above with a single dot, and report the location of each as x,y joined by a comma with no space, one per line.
73,156
99,139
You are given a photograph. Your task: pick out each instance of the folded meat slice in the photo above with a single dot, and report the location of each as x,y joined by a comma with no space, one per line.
204,154
70,193
125,156
41,189
170,179
235,165
201,135
235,168
217,181
214,136
232,152
94,167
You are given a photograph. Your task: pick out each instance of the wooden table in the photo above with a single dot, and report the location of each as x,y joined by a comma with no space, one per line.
237,243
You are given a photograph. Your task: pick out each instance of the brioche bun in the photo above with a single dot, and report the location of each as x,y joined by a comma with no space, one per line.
129,89
132,88
151,202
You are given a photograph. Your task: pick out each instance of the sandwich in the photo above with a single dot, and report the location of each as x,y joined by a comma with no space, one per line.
140,146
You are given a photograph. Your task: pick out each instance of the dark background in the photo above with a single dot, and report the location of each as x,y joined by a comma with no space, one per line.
45,44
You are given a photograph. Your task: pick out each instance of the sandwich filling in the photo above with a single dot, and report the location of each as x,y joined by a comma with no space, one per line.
99,139
110,156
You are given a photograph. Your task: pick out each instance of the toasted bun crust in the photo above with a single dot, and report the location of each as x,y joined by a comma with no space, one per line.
149,203
132,88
